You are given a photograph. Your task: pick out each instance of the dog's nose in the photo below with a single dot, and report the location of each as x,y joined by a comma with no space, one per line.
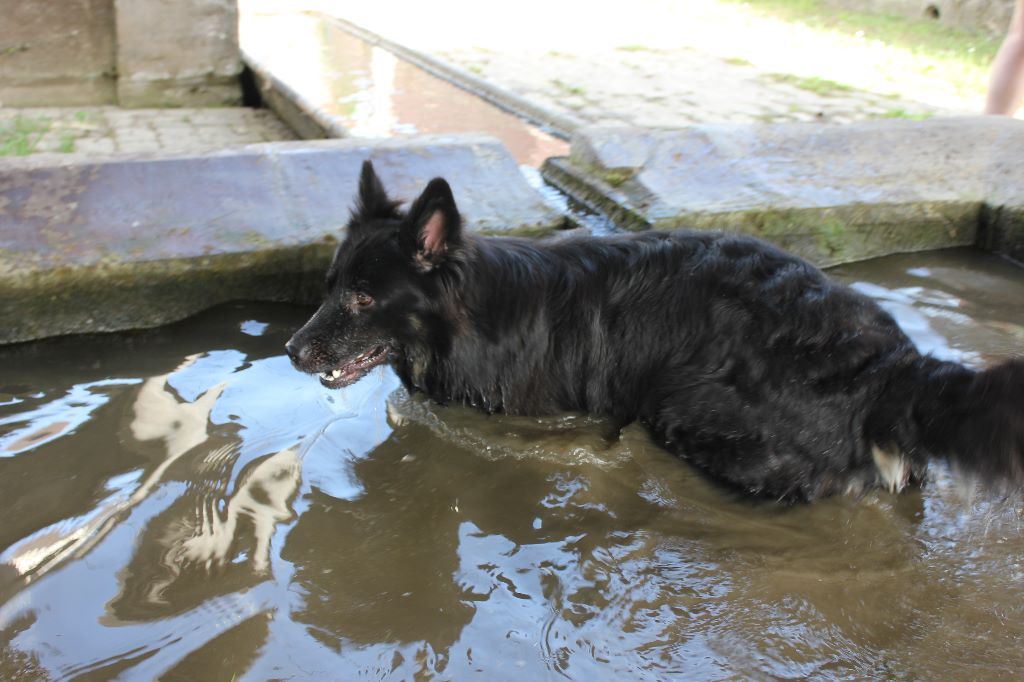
296,352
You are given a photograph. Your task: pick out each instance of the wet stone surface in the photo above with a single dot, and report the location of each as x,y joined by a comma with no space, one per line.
180,503
125,243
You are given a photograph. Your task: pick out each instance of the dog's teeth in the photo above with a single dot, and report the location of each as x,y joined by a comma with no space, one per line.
335,374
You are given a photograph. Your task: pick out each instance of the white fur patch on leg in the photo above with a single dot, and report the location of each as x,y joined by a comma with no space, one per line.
395,418
893,468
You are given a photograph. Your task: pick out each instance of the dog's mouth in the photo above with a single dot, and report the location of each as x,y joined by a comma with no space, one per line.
354,369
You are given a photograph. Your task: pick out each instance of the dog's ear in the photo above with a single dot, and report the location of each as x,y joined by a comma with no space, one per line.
433,227
372,202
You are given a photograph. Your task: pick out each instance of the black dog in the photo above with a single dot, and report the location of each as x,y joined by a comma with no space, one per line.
742,359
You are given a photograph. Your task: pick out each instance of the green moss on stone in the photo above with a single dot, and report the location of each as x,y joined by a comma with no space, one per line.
617,176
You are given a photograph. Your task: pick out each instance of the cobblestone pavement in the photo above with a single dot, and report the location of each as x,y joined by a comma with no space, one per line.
110,130
664,63
648,87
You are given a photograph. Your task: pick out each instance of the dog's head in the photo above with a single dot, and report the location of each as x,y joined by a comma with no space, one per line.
383,285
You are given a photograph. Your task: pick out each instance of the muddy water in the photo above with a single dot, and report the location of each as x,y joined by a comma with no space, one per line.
372,93
180,504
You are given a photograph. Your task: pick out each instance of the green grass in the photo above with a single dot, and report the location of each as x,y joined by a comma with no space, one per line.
737,61
962,58
903,113
21,136
923,36
568,89
87,117
637,48
820,86
67,143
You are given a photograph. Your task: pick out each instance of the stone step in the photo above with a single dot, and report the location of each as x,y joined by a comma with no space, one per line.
832,194
88,246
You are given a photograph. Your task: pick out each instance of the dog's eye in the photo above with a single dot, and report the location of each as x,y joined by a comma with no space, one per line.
362,300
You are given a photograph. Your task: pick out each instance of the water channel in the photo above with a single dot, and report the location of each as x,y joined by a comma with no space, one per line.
180,503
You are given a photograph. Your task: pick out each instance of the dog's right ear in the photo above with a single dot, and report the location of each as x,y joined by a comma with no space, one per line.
372,202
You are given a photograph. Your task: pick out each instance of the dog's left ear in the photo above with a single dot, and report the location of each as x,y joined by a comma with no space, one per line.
433,228
372,201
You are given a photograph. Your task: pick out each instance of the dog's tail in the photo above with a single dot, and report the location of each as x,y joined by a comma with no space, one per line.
943,410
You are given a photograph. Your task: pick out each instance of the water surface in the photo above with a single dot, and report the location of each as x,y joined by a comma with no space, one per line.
372,93
180,503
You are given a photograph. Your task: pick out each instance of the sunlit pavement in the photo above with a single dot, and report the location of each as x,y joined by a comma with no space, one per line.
660,63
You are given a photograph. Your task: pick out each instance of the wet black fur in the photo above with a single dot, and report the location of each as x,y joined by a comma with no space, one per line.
746,361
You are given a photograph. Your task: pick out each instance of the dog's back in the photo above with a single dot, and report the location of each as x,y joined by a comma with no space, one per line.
745,360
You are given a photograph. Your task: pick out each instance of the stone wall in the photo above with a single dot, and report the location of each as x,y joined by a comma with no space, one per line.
59,52
136,53
177,53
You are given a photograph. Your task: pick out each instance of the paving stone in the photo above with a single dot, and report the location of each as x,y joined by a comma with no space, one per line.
164,131
96,146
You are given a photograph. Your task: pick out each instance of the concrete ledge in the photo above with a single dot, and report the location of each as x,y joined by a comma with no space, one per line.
829,193
119,244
